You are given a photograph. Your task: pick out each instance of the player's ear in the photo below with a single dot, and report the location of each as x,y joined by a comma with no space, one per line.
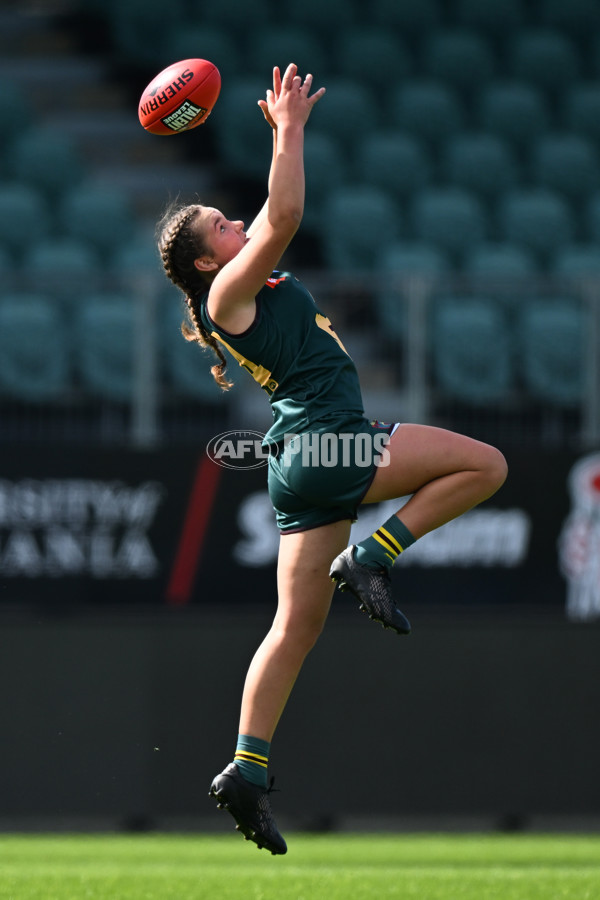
205,264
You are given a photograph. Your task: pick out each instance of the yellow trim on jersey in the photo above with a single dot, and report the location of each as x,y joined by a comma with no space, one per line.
259,373
324,323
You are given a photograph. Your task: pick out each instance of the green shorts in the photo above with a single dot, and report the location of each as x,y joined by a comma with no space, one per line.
321,476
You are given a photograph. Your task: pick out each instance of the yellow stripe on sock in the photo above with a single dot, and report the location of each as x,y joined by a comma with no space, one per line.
252,757
386,547
391,538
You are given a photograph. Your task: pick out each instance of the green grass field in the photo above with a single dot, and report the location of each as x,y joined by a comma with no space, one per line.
317,867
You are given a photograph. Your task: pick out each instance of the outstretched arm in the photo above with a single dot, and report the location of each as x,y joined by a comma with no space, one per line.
236,285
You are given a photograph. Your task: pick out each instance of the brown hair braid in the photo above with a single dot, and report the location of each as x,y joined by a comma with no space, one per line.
180,242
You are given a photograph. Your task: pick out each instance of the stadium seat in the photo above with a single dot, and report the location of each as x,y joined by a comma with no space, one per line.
185,366
426,109
580,261
400,266
552,351
394,161
480,162
349,104
137,30
581,110
34,349
67,268
490,17
240,18
496,262
99,214
104,346
459,58
244,142
579,18
544,58
138,257
471,350
15,110
47,159
538,220
592,218
325,166
278,45
566,163
514,111
24,217
405,16
358,220
8,270
450,218
384,57
498,269
185,40
330,16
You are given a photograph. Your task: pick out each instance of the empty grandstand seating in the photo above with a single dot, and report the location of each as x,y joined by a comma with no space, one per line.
104,330
472,357
356,221
552,357
451,218
34,349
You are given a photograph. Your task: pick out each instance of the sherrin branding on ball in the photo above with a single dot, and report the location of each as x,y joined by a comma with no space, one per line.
180,97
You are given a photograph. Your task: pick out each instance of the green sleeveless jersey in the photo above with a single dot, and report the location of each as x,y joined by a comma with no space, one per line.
292,352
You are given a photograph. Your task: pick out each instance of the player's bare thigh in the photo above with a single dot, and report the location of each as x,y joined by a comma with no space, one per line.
419,454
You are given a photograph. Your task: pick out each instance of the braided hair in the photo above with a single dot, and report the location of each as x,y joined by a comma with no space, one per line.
180,242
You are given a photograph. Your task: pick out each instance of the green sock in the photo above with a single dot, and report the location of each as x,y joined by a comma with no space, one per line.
384,545
252,758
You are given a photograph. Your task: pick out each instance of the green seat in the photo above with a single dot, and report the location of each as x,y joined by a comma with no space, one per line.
24,217
100,214
544,58
185,366
394,161
405,16
105,346
46,159
538,220
326,169
328,18
68,269
452,219
137,30
458,57
240,18
552,340
189,40
401,265
581,110
279,45
471,350
346,102
496,262
580,261
480,162
34,349
578,18
357,219
384,57
567,163
426,109
592,218
244,140
15,109
514,111
490,17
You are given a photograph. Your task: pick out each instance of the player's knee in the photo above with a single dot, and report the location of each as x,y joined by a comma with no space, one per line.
495,468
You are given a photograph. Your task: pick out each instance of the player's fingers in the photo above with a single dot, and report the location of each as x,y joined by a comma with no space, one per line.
276,81
316,96
288,77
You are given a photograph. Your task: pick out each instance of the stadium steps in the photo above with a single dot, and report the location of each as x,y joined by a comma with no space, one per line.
95,110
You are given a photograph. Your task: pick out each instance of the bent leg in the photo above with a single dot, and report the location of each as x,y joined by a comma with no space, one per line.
446,473
304,598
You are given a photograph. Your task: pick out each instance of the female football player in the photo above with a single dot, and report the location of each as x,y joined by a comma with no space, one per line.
238,302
